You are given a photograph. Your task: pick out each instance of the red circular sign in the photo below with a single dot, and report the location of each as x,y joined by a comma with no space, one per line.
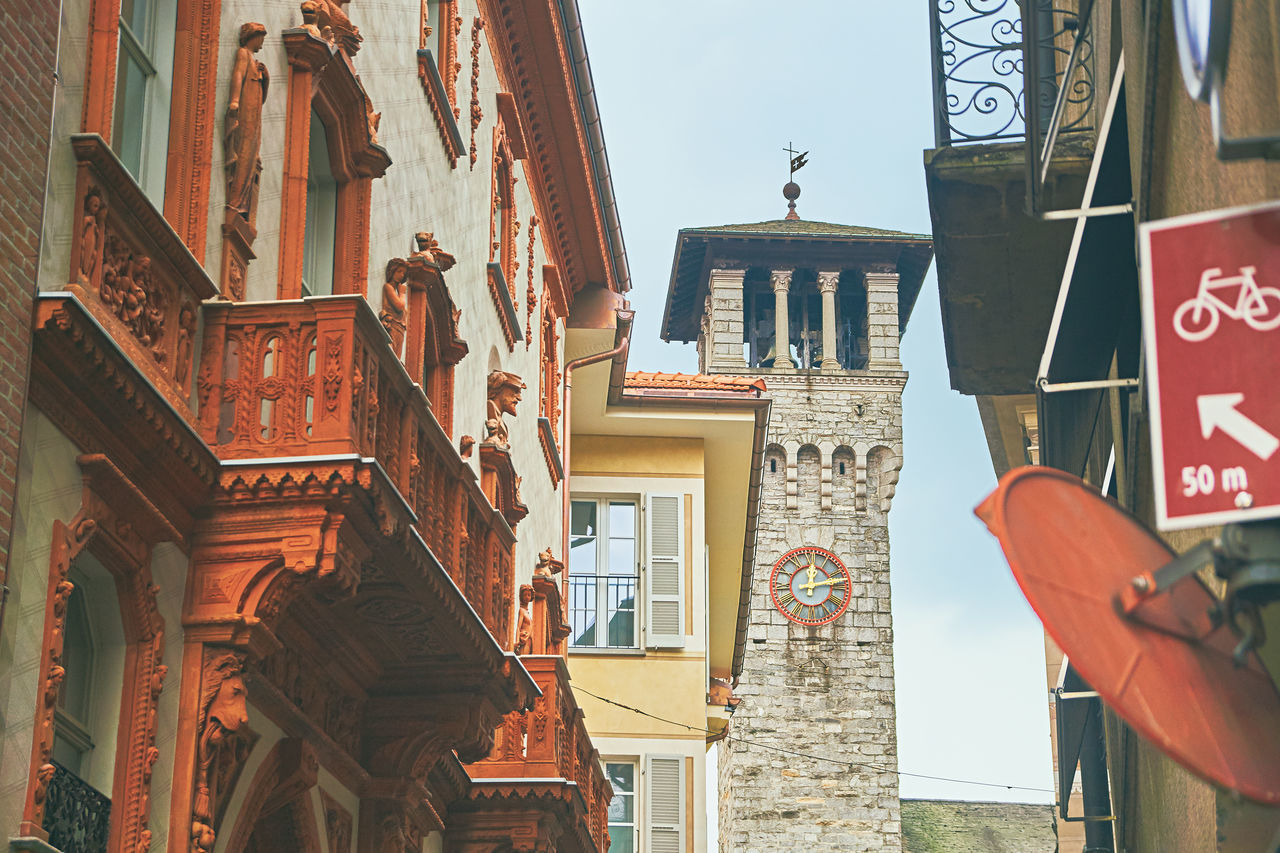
810,586
1161,665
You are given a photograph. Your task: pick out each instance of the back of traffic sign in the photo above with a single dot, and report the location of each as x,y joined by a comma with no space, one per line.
1211,312
1163,665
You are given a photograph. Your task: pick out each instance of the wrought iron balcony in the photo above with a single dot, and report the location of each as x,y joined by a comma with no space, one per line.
76,815
994,59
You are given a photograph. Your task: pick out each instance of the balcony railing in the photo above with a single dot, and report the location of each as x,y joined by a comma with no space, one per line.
551,741
317,377
980,90
76,815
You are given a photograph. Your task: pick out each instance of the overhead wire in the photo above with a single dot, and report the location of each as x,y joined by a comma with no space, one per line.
772,748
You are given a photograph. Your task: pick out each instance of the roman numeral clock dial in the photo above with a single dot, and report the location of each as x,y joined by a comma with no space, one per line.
810,586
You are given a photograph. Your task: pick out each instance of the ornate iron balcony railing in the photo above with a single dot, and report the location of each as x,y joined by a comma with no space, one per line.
980,65
76,815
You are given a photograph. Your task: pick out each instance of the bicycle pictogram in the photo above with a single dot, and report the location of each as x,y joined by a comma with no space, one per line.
1259,307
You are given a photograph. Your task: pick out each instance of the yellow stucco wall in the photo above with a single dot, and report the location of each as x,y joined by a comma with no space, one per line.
669,684
637,456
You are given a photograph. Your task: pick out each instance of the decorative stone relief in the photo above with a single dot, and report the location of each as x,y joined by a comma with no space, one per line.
477,24
531,295
221,751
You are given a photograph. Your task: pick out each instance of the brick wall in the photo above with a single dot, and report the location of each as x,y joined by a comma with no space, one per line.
27,101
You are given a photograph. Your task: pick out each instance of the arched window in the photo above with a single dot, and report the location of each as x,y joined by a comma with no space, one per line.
322,209
87,713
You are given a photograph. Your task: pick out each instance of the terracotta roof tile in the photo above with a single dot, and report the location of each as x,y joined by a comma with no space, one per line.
695,382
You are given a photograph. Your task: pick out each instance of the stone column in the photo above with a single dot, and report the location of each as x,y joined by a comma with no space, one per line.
722,340
827,284
781,281
882,319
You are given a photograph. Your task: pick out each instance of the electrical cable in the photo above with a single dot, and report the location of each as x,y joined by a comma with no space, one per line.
778,749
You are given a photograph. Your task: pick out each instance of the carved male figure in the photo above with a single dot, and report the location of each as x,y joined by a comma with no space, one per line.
242,135
394,314
504,394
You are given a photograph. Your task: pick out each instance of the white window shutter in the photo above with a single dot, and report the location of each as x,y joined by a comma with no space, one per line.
664,572
664,804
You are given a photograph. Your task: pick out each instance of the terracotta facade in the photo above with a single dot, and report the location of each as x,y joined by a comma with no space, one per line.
273,580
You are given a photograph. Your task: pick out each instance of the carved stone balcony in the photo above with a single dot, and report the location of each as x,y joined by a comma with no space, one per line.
133,272
317,378
544,777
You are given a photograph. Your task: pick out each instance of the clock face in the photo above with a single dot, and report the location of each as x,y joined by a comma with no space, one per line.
810,586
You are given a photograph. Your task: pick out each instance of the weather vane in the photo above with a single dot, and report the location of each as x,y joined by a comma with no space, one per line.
791,191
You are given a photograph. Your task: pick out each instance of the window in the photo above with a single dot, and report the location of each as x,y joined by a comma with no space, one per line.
87,711
322,206
622,808
141,102
604,572
72,738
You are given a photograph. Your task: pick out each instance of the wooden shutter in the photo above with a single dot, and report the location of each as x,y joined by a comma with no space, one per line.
664,570
664,804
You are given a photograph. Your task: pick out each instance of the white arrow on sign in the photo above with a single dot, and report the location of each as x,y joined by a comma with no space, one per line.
1218,411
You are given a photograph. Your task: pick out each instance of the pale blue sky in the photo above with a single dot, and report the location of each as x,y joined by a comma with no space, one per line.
698,98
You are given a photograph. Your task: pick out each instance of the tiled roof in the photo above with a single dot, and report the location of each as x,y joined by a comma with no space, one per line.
695,382
808,228
949,826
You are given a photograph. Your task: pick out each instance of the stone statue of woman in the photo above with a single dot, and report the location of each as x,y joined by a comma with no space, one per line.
243,130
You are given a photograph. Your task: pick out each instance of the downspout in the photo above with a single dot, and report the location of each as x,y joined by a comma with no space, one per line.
622,341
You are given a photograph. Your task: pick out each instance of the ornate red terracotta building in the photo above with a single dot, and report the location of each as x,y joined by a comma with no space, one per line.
285,567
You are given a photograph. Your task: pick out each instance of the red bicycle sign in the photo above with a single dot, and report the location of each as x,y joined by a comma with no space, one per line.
1198,317
1211,317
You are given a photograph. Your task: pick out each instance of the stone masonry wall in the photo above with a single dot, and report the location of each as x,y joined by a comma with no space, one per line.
824,691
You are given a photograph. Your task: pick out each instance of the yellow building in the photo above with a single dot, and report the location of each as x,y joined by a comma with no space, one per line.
666,474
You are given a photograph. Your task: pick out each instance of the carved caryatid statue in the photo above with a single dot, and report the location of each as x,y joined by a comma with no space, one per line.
92,233
395,301
242,134
504,394
524,622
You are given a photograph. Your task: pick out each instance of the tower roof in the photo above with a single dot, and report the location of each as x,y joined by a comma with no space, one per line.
786,244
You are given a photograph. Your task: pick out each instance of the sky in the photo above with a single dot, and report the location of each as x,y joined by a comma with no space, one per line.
697,106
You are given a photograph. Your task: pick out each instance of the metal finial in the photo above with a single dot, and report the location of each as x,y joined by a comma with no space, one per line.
791,191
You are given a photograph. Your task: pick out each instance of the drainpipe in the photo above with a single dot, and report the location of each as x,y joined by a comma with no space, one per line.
622,339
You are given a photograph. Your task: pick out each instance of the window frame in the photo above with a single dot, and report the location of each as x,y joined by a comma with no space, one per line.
634,762
152,52
602,502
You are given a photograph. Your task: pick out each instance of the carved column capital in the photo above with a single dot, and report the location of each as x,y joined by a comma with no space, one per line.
781,280
828,282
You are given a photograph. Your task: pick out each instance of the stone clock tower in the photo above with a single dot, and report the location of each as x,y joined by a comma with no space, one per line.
817,310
